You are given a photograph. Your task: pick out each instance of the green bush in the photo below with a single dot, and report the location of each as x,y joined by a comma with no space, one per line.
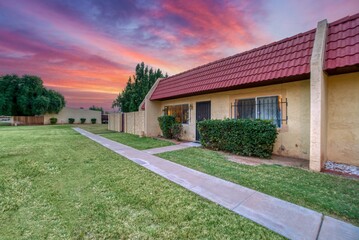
166,123
83,120
71,120
53,120
240,136
93,120
176,130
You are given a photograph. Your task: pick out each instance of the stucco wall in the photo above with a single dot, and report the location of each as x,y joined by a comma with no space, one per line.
293,138
134,122
76,113
115,122
343,119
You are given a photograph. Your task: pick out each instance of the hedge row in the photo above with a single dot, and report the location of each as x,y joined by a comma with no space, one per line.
72,120
240,136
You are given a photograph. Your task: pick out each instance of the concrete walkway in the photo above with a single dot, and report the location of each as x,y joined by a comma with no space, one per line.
172,148
287,219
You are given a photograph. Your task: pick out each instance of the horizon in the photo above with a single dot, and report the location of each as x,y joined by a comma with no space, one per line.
87,50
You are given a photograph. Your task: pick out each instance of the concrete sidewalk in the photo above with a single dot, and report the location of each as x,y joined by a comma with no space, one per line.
287,219
172,148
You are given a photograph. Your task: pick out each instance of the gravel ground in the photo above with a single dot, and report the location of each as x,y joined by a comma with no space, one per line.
343,168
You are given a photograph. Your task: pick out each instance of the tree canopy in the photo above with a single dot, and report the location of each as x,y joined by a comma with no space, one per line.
95,108
26,96
137,87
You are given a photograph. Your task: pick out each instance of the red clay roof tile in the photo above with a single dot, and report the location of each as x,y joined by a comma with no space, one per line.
342,48
283,60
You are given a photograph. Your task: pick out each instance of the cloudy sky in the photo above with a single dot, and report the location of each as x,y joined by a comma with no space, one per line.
87,49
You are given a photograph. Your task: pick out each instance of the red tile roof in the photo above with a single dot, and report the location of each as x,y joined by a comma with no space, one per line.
285,60
342,48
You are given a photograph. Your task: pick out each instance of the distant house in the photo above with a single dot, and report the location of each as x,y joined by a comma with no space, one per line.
308,85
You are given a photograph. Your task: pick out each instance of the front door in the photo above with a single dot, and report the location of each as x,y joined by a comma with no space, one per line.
203,112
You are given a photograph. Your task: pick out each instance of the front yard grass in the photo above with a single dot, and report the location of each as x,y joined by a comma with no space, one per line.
140,143
57,184
331,195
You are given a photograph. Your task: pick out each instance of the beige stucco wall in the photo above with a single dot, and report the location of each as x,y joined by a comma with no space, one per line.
114,122
293,138
343,118
134,122
76,113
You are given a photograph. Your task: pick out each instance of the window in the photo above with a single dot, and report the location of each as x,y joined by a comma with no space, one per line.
180,112
267,108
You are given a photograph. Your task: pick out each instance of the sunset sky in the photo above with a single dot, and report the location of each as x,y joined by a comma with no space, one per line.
87,49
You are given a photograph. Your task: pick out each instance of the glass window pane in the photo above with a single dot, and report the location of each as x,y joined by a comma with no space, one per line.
268,108
180,112
246,108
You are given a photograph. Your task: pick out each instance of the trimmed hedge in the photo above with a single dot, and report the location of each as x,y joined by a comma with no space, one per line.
53,120
93,120
245,137
71,120
82,120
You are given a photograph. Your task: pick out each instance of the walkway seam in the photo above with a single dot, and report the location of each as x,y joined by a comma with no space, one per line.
320,227
243,200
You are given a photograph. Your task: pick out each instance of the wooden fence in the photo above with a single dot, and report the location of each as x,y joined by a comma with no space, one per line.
29,120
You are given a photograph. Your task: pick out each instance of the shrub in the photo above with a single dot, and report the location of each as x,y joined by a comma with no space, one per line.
93,120
53,120
240,136
83,120
166,123
71,120
176,131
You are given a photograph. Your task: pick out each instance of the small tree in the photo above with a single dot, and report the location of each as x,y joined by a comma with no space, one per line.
166,123
83,120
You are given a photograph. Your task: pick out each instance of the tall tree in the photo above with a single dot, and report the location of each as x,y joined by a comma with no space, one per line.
137,87
26,96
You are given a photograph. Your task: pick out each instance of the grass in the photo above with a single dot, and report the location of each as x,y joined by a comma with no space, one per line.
140,143
57,184
331,195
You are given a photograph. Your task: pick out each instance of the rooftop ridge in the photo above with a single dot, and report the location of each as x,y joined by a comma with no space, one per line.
245,52
344,19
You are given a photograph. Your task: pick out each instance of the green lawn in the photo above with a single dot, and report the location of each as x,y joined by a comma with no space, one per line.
332,195
57,184
140,143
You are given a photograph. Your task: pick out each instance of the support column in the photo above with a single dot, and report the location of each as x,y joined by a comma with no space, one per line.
318,100
152,112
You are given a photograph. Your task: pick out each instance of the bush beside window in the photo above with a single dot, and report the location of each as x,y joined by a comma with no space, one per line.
93,120
71,120
169,127
53,120
245,137
83,120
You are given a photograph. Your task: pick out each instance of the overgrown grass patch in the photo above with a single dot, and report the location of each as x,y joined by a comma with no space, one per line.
57,184
332,195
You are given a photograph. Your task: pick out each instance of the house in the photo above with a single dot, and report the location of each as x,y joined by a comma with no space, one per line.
307,84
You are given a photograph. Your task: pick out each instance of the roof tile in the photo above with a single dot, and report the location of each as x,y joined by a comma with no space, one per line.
281,60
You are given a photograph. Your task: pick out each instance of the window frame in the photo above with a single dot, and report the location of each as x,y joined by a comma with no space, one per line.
166,107
256,106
